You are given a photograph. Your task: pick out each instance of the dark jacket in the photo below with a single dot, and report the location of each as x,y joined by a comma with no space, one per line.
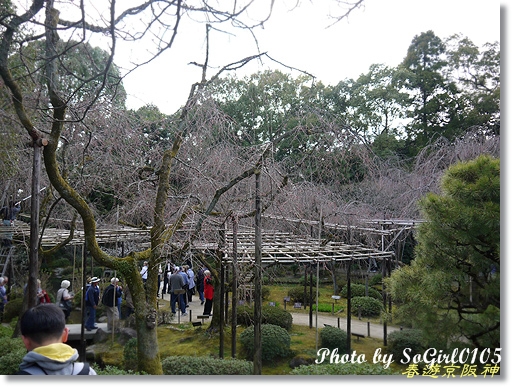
108,298
92,296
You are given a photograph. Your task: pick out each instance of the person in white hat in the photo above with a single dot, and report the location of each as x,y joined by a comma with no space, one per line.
92,299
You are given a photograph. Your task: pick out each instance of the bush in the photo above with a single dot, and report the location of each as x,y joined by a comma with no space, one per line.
343,369
112,370
60,263
205,365
275,342
12,354
376,279
307,282
332,337
367,306
407,338
359,290
297,295
130,355
269,315
12,309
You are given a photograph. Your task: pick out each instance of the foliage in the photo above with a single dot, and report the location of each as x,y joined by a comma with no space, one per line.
367,306
452,288
130,355
407,338
265,292
269,315
297,294
359,290
376,280
11,356
332,337
12,309
275,342
205,365
325,307
112,370
343,369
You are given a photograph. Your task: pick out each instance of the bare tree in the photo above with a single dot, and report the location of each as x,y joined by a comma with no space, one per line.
54,104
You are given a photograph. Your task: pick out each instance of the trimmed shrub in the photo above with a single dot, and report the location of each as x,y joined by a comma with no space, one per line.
275,342
368,306
407,338
375,279
359,290
269,315
12,309
297,295
205,365
332,337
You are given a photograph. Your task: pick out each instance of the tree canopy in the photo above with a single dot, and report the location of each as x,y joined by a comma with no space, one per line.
452,288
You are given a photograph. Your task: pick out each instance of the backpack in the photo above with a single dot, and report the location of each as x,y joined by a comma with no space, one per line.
83,371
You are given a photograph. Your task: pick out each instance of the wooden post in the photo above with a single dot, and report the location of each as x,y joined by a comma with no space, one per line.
221,310
257,361
234,287
33,257
349,309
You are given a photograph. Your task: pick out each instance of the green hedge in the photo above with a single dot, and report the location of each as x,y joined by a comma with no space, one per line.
407,338
296,294
368,306
359,290
275,342
205,365
269,315
332,337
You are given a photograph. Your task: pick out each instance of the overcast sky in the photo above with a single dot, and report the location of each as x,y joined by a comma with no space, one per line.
379,32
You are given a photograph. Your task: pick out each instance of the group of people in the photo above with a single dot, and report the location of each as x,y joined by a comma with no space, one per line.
182,284
111,298
43,327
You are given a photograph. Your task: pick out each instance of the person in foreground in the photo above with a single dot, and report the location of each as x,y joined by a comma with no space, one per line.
44,333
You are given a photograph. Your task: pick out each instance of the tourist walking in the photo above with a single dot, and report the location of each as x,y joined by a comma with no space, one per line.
110,299
64,298
3,297
208,293
92,299
191,283
167,273
185,287
200,284
42,296
176,283
144,273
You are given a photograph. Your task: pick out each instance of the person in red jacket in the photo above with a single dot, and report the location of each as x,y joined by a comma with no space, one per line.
208,293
